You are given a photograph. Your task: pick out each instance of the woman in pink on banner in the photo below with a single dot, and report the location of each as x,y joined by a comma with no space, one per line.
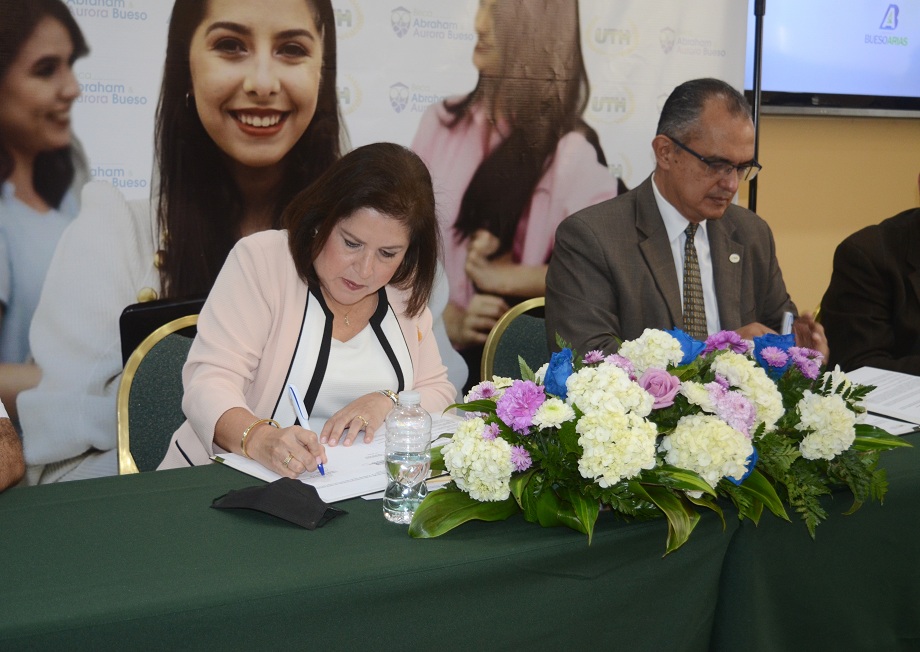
510,161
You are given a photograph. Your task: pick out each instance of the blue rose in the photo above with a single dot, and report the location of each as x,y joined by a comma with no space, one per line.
691,347
560,368
749,465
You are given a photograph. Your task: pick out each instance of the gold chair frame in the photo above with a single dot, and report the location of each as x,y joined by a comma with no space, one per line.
495,335
126,462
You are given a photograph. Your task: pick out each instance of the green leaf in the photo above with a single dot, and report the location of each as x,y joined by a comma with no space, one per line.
869,438
681,518
709,503
676,478
445,509
585,509
437,459
760,489
526,372
482,405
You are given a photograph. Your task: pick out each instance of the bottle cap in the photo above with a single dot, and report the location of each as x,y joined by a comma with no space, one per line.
409,398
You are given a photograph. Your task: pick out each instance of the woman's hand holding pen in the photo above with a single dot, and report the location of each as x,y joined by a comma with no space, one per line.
287,451
366,413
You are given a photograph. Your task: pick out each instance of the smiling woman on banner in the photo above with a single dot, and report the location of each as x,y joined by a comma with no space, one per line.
510,161
41,169
247,118
335,305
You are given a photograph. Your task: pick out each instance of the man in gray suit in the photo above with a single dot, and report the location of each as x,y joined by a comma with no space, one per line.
619,267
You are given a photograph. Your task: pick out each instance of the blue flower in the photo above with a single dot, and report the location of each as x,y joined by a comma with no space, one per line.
767,350
560,368
749,465
691,347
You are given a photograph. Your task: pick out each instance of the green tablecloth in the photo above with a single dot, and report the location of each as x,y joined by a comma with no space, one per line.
142,561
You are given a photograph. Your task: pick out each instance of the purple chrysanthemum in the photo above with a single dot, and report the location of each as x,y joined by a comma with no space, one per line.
726,340
808,361
775,357
593,357
490,432
519,403
485,389
722,381
520,458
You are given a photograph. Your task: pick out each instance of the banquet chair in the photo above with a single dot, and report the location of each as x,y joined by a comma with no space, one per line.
150,396
519,332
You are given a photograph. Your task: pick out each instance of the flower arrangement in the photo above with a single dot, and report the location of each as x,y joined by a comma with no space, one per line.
666,426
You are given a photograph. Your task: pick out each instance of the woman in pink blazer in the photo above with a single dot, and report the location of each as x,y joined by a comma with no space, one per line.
335,304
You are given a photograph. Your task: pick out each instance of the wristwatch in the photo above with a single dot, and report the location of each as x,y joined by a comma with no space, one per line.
390,394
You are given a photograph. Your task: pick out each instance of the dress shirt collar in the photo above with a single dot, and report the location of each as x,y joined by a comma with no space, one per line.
674,222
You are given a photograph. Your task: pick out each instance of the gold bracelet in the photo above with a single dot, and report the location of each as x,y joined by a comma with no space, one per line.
253,425
390,394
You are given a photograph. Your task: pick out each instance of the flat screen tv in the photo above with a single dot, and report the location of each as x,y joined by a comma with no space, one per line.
843,57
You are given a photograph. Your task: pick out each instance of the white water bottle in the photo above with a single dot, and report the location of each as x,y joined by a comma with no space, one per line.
408,458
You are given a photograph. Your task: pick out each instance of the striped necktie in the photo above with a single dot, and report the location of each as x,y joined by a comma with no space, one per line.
694,306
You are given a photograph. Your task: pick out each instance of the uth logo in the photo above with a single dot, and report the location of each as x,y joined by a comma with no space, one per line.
890,21
401,21
399,97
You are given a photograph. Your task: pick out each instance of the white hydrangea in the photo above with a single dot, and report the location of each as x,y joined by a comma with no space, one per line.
709,446
607,386
654,348
697,394
553,413
479,466
754,384
616,445
833,426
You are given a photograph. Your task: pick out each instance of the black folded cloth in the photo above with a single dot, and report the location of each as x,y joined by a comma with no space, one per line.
289,499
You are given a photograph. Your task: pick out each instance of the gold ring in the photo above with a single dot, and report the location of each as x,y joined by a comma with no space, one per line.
287,460
363,420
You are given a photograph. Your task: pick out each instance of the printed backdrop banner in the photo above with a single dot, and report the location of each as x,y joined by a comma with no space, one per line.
397,58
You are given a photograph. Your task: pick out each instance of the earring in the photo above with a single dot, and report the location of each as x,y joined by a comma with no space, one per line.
189,98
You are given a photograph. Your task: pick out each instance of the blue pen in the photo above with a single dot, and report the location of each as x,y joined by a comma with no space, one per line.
302,417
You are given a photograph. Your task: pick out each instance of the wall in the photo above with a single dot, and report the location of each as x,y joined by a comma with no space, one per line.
825,177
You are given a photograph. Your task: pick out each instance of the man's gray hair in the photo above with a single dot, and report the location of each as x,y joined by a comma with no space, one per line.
681,112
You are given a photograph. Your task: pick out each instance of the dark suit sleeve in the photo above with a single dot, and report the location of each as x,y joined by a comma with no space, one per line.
859,312
580,291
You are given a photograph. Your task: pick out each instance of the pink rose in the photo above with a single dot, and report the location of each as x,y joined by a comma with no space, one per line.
661,385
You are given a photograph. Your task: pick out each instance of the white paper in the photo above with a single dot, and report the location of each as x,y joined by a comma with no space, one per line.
896,394
351,471
891,426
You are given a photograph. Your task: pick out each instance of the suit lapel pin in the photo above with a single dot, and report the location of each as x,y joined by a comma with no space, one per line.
734,258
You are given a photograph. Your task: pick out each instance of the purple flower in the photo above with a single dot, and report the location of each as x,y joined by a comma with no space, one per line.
807,361
722,381
520,458
558,371
691,347
774,360
726,340
733,408
519,403
485,389
490,432
623,363
774,344
593,357
661,385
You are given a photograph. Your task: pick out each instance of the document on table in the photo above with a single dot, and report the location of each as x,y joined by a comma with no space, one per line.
350,470
896,395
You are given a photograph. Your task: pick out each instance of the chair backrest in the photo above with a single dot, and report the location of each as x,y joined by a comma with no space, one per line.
150,396
139,320
516,333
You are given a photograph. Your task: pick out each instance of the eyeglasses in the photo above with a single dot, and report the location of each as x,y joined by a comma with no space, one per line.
719,167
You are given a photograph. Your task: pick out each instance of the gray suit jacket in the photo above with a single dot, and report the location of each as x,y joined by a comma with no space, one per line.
612,274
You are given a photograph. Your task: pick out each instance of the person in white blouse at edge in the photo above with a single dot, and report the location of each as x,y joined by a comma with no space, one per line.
335,305
247,118
41,167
